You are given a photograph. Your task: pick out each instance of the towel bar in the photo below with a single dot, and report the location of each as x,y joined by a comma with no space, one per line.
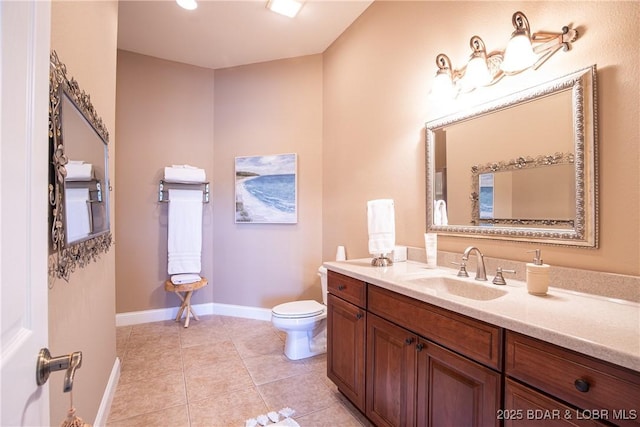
163,196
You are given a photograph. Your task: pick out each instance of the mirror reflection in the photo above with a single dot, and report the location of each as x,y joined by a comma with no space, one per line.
85,204
520,168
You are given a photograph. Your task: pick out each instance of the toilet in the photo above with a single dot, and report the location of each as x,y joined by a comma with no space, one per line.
305,323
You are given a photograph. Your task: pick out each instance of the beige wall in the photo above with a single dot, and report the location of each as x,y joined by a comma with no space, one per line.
82,312
164,117
377,78
262,109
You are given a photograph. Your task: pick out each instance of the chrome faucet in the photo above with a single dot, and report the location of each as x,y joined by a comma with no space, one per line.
481,273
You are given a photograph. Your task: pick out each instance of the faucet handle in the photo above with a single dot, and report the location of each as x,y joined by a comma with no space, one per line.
462,272
499,279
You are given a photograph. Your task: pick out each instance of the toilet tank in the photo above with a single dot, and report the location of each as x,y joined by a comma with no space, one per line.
322,272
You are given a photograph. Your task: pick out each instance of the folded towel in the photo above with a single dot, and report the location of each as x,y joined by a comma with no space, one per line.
381,225
184,242
184,173
77,213
77,170
181,279
440,213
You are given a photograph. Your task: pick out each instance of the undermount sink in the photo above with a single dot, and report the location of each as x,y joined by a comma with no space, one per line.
470,290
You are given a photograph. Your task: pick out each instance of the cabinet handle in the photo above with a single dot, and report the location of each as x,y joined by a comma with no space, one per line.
341,287
409,340
582,385
359,316
420,346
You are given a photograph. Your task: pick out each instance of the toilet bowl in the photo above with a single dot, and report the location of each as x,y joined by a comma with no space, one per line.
305,323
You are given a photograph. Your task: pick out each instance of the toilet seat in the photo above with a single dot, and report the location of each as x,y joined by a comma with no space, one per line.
298,309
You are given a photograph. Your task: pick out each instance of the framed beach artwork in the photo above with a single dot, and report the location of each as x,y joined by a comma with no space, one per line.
266,189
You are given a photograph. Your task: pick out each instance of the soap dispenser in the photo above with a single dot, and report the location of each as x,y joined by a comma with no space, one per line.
537,275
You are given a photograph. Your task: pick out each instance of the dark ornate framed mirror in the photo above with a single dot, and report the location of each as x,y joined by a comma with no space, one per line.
521,168
79,176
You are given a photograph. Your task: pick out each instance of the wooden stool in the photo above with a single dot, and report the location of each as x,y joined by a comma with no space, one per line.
187,289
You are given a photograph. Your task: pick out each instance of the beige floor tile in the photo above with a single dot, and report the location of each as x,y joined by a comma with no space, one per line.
122,338
335,415
257,343
207,354
238,326
219,378
305,394
203,333
317,363
143,397
177,416
273,367
230,409
141,367
164,328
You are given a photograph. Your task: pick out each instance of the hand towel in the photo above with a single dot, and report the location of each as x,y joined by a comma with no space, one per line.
440,213
184,173
77,170
77,213
184,242
181,279
382,228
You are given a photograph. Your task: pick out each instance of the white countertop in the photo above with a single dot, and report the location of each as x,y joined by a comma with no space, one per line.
605,328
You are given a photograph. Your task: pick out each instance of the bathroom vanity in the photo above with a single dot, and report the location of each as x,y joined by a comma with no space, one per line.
411,346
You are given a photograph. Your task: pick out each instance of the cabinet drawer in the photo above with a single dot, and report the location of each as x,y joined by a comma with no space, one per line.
564,373
525,407
347,288
475,339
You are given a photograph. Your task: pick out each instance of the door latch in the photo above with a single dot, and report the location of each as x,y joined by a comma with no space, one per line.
47,364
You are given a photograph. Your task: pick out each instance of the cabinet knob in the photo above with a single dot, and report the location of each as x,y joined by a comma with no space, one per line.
581,385
341,287
359,316
420,346
409,340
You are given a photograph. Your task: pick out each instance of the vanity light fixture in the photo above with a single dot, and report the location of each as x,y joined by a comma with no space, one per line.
477,73
289,8
524,50
521,54
187,4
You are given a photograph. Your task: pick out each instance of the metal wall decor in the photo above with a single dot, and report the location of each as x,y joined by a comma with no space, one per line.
71,114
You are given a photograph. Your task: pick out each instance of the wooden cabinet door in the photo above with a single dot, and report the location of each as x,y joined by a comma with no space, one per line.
454,391
391,373
346,329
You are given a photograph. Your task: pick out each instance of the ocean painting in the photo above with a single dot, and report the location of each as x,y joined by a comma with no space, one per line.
266,190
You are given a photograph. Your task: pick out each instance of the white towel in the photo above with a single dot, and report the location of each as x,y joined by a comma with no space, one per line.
181,279
77,213
440,213
382,227
77,170
184,242
184,173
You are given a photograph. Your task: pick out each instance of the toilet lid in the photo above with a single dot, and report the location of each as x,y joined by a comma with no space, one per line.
306,308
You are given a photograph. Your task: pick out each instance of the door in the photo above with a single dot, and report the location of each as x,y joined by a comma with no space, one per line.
24,87
346,329
455,391
391,373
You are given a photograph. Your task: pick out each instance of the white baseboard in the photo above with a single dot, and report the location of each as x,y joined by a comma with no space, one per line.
107,397
157,315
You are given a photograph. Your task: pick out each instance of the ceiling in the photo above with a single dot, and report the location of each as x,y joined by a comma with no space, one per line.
221,34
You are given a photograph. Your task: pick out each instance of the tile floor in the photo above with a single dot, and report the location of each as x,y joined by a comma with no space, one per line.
220,371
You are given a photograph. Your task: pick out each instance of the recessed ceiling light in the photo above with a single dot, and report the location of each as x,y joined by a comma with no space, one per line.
187,4
288,8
